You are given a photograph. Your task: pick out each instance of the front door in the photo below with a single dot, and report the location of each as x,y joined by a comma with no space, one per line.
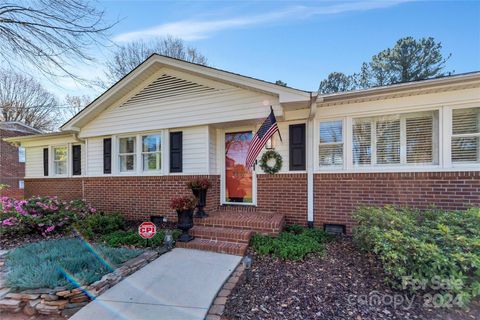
238,178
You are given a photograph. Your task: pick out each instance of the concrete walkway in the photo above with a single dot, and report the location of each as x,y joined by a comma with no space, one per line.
178,285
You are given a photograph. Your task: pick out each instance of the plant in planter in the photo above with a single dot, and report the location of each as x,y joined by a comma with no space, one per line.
184,207
199,188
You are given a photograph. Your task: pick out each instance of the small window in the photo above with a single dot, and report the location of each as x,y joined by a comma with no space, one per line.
466,135
151,152
60,160
331,143
21,184
21,154
127,154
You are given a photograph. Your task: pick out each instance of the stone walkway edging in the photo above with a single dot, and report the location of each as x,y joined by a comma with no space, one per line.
218,306
60,301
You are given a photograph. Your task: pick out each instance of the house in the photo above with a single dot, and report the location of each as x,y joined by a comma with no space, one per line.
134,147
12,158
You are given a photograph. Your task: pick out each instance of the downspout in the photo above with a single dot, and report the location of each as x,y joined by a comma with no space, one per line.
310,162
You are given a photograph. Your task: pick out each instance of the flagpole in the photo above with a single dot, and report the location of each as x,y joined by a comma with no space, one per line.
281,140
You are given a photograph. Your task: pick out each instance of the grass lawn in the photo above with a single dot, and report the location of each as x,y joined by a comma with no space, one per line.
64,262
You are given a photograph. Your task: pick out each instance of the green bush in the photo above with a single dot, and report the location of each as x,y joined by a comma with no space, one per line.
97,225
429,245
131,238
292,244
66,262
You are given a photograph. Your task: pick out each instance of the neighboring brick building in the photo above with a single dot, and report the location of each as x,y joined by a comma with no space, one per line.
12,158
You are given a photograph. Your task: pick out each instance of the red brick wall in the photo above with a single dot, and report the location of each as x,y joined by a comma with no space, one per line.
284,193
136,197
11,170
337,195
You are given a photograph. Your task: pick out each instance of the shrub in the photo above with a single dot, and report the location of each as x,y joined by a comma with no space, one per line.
66,262
131,238
100,224
292,244
41,215
426,245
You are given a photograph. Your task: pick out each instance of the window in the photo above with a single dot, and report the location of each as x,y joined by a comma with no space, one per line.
21,184
331,143
127,154
60,160
466,135
405,139
21,154
152,152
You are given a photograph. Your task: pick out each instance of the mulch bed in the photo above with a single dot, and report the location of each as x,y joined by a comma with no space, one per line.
325,287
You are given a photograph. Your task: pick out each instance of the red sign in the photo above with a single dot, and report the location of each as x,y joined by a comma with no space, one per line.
147,230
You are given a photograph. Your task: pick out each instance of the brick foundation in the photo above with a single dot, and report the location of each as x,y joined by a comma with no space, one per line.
136,197
285,194
337,195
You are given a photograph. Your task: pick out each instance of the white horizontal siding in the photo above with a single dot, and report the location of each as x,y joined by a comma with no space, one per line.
228,103
95,156
34,162
212,137
195,140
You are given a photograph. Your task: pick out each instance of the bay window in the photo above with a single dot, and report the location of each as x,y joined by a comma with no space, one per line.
466,135
60,160
401,139
331,143
151,152
127,154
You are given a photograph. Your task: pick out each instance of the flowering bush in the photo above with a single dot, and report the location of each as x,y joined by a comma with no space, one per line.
183,203
199,183
42,215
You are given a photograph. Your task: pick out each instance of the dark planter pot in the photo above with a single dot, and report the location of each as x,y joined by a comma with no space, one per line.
185,223
201,195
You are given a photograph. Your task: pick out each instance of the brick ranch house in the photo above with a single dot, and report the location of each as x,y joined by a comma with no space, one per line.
12,158
134,147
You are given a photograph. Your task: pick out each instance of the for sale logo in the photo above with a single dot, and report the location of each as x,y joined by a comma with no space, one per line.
147,230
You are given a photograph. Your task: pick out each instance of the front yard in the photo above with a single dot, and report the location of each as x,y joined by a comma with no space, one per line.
339,280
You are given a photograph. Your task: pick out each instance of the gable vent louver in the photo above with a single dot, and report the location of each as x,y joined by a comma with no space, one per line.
167,87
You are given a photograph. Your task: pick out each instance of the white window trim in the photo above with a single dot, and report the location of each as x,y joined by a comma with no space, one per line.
444,143
467,135
53,161
318,144
135,154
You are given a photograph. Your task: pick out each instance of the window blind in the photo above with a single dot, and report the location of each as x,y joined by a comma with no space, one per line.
362,142
419,138
466,135
388,141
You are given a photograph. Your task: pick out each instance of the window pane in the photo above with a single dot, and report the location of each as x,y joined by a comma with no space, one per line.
60,153
466,121
21,154
151,161
60,167
127,145
466,149
151,143
127,163
422,138
362,142
388,141
331,131
331,154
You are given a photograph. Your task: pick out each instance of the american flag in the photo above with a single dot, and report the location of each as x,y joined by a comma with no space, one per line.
266,131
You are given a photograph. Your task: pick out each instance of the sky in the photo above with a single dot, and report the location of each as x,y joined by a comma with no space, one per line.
298,42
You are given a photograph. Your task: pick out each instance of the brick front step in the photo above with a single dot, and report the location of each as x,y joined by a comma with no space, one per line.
221,234
261,222
234,248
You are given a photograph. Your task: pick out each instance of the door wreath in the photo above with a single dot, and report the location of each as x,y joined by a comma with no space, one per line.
271,155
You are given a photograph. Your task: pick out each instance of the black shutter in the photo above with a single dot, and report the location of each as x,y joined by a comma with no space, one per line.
77,160
107,155
45,162
297,147
176,151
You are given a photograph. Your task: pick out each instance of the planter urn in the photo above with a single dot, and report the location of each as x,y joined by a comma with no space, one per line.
201,195
185,223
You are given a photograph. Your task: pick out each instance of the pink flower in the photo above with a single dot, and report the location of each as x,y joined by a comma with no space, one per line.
93,210
50,229
7,222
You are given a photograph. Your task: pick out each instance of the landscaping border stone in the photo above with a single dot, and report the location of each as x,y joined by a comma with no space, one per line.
218,306
60,300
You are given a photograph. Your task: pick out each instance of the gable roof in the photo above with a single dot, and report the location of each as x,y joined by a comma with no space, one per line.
18,126
155,62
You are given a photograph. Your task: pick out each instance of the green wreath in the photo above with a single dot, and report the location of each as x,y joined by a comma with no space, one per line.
271,155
